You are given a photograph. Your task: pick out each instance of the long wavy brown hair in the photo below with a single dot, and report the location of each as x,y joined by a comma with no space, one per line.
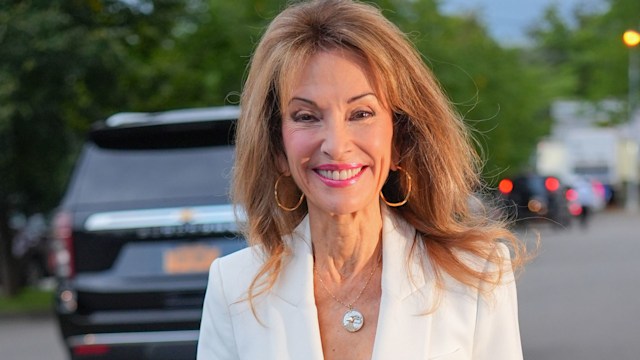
431,139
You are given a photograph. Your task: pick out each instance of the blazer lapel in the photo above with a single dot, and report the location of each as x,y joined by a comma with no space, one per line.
406,295
293,317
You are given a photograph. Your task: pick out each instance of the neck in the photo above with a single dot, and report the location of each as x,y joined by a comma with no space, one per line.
346,246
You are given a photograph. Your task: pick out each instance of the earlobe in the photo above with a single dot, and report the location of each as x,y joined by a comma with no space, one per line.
283,165
395,158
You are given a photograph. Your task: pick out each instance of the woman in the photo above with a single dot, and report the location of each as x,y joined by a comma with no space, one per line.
357,181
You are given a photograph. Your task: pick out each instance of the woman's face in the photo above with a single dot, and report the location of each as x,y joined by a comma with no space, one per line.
337,134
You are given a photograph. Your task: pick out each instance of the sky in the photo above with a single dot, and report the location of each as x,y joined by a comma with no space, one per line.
508,20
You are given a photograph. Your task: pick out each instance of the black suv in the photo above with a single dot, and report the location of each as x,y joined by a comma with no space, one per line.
145,213
533,197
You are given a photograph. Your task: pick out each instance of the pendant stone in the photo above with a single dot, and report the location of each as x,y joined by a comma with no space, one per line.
352,320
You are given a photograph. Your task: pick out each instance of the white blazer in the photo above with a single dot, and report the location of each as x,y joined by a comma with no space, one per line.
463,326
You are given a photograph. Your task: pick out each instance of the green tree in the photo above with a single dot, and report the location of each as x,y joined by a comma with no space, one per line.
33,135
62,66
588,58
203,61
496,89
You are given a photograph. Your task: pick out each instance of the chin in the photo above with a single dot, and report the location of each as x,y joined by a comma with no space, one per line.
344,207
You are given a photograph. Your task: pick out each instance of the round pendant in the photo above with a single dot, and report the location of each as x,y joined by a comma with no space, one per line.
352,320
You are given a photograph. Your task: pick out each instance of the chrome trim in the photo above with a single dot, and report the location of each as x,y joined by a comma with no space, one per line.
131,338
148,218
174,116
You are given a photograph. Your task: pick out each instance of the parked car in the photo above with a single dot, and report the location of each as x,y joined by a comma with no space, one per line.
532,197
145,213
29,247
587,197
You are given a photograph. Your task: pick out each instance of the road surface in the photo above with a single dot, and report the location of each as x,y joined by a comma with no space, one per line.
579,299
30,338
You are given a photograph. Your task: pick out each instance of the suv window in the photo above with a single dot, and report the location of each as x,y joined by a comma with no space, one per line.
126,175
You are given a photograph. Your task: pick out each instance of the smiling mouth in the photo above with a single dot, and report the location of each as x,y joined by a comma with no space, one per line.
337,175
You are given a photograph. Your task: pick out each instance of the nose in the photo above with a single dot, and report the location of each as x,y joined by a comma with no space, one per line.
336,141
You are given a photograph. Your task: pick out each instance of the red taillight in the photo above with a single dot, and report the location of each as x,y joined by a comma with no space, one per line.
599,189
505,186
552,184
575,209
571,195
90,350
62,247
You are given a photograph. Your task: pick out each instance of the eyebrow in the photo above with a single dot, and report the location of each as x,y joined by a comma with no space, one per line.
349,101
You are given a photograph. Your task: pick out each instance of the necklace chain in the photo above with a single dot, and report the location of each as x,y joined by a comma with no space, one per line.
350,305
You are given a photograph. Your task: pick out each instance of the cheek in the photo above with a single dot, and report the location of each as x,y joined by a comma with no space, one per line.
288,139
297,144
381,140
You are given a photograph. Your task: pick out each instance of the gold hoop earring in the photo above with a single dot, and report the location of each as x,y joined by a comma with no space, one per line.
275,193
406,198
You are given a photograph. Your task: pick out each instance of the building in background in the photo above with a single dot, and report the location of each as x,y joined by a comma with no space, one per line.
586,143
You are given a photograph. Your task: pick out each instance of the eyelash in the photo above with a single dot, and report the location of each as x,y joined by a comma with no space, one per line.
303,117
359,113
307,117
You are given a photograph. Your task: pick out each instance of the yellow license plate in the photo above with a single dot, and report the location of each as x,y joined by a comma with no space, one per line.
189,259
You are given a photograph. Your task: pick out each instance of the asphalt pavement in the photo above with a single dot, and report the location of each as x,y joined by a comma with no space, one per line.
30,337
579,298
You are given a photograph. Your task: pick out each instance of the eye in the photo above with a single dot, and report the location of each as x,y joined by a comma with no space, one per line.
361,115
303,117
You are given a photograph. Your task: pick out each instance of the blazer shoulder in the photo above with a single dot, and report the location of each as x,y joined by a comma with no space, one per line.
245,258
496,254
236,271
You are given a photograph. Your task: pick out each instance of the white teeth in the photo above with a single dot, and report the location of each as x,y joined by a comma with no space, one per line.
339,175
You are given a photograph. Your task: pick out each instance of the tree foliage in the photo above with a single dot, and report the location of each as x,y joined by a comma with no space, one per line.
61,66
492,86
585,54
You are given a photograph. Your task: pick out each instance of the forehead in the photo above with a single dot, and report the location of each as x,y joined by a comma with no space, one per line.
334,69
306,66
